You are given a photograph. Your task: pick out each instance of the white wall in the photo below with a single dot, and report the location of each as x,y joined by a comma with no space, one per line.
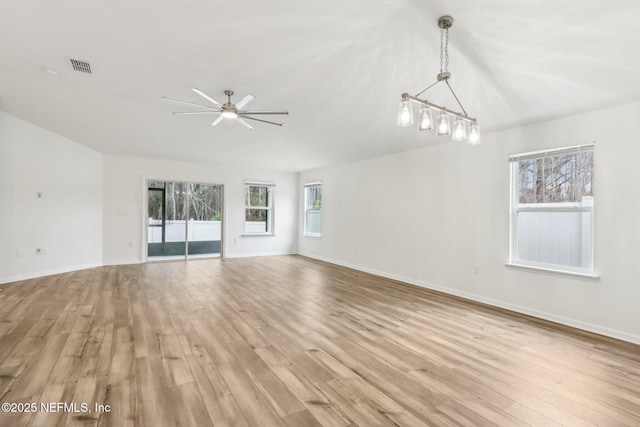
67,221
449,211
124,195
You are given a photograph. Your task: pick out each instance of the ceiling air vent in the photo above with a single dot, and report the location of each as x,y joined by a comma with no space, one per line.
79,65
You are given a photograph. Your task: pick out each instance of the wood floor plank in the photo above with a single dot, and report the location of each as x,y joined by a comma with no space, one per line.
254,406
395,383
19,418
530,416
155,407
215,345
541,400
144,338
174,364
35,377
122,360
91,390
360,412
24,350
462,415
382,403
289,341
121,398
221,405
302,418
97,354
188,406
57,392
314,371
316,403
8,376
8,344
280,398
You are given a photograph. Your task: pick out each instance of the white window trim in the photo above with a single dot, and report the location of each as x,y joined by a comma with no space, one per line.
515,208
592,276
260,183
304,225
551,152
271,218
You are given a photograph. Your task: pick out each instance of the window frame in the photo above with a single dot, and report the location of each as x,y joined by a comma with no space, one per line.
515,208
269,208
307,210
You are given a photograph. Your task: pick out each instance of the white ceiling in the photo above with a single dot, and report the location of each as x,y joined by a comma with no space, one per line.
338,66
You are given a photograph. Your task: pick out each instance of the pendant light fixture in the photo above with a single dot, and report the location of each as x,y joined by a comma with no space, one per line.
426,118
444,124
459,132
405,114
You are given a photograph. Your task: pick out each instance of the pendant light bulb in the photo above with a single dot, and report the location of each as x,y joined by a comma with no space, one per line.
459,130
405,114
474,134
425,118
444,124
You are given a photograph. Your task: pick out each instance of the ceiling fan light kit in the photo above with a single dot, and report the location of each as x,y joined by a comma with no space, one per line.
228,110
464,127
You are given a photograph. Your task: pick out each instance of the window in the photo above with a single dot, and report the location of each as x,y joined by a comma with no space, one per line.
552,209
258,208
313,209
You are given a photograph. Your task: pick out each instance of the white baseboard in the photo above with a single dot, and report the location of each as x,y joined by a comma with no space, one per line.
256,254
35,275
578,324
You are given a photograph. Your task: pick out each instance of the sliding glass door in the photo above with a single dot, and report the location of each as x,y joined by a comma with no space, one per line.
184,220
204,231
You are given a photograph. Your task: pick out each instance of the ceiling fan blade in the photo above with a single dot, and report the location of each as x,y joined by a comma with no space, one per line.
205,96
195,112
264,112
216,121
188,103
243,123
261,120
244,101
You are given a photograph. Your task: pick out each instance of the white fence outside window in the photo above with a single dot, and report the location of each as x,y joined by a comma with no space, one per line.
555,236
175,231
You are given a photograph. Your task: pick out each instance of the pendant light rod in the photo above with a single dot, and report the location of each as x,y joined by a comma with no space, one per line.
407,97
456,97
429,87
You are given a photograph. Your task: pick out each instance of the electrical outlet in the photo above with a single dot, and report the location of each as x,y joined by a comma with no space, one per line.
38,251
39,194
19,252
43,251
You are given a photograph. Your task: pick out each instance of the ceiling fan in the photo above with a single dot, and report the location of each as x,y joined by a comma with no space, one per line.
228,110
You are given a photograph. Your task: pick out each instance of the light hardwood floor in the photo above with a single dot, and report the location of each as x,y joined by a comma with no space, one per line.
290,341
